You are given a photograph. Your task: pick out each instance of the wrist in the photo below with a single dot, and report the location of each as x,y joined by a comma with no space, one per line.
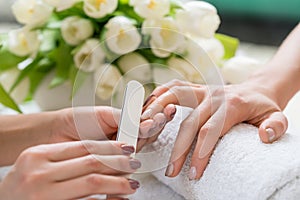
280,85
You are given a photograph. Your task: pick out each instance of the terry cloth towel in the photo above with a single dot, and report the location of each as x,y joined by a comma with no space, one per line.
241,167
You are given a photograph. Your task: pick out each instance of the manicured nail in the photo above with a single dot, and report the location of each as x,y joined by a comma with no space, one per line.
192,173
147,114
148,100
134,164
173,113
271,134
127,149
134,184
170,170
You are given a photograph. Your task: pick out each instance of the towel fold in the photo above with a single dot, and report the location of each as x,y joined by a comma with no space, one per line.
241,167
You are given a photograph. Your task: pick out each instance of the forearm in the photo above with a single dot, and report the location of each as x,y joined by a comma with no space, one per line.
18,132
282,73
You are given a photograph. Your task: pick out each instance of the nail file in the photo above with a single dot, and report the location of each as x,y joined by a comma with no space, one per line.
131,114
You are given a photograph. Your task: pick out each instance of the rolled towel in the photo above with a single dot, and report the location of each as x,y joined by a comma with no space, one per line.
241,167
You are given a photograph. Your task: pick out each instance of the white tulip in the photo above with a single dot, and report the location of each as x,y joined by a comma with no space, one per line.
8,78
61,5
75,30
31,12
185,69
198,18
23,42
198,57
213,47
99,8
106,79
238,69
165,36
135,67
151,9
122,36
90,56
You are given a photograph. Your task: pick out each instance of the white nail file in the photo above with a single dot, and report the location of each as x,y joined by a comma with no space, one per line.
131,114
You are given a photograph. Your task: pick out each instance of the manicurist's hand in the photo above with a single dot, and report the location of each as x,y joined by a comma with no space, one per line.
19,132
71,170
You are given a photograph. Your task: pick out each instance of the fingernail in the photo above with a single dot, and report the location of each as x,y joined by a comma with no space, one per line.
271,134
192,173
148,100
147,114
134,184
127,149
169,170
134,164
174,112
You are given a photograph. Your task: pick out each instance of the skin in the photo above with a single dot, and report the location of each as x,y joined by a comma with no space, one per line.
258,101
66,154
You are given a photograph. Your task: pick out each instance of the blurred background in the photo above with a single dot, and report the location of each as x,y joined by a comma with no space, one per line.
256,21
259,21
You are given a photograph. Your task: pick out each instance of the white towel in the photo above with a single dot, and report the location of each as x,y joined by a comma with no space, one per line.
242,167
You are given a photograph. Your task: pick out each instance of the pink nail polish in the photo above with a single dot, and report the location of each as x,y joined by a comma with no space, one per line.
271,134
147,114
170,170
192,173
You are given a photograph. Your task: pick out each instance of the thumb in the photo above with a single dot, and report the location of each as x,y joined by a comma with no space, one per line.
273,127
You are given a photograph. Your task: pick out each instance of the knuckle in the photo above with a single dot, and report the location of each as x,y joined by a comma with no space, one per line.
190,123
204,132
94,182
91,162
176,82
31,154
235,100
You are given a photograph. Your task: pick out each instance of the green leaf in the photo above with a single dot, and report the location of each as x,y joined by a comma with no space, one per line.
8,60
7,101
63,61
35,77
24,73
230,44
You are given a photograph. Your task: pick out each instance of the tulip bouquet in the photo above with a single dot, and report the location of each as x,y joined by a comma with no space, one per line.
111,39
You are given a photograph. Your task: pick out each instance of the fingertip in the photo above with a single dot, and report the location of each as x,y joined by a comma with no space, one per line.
273,127
170,111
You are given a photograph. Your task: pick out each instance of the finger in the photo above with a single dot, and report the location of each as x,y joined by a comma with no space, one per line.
69,150
148,101
165,87
184,95
215,127
273,127
94,123
187,132
151,129
159,119
170,111
93,184
109,165
159,123
108,118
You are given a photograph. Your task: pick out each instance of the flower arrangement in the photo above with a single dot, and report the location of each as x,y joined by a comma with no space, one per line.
76,38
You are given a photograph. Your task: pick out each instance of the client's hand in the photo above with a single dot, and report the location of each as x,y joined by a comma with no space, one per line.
71,170
216,110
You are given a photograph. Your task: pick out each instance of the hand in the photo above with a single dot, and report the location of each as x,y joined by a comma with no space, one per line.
71,170
216,110
95,123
